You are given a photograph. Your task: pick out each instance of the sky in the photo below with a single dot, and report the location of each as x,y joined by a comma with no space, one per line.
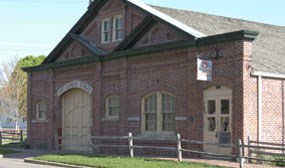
35,27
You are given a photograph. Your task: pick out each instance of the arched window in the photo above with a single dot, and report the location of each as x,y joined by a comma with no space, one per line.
41,110
112,106
158,112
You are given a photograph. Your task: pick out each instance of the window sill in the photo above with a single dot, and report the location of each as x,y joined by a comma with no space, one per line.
39,121
117,40
111,42
110,119
105,42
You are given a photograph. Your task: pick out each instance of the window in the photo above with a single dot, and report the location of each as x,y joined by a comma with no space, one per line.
117,28
9,120
106,30
41,110
158,113
112,29
112,107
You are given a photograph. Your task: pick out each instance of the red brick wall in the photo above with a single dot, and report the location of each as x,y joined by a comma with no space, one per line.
40,133
74,51
272,105
160,34
272,110
135,77
174,72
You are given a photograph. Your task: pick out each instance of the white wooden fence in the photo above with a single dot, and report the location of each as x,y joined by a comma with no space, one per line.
240,147
130,145
12,135
262,149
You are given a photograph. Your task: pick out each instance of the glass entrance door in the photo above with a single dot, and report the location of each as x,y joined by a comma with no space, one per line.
217,124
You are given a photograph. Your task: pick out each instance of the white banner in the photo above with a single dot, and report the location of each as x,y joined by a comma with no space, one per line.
204,70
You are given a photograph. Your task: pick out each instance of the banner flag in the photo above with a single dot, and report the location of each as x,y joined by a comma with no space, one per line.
204,70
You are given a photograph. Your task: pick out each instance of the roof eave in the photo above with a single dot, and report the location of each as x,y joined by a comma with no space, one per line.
267,74
74,62
247,35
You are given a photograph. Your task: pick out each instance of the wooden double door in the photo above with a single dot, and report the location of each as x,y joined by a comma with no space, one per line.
76,120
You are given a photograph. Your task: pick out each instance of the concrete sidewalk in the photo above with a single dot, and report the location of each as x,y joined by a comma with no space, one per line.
17,160
27,153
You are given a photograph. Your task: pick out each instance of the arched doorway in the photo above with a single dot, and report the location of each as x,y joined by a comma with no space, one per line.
218,119
76,120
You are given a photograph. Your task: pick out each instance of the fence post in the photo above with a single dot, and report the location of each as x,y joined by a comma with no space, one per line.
56,141
21,136
248,149
240,157
131,149
179,152
0,138
91,151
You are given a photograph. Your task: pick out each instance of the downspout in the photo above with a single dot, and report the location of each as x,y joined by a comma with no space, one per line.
283,138
259,109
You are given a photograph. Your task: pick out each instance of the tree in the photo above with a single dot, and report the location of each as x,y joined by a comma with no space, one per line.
9,91
13,86
27,62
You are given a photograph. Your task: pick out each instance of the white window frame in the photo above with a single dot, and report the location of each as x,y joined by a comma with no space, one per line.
159,114
103,31
44,111
107,107
115,29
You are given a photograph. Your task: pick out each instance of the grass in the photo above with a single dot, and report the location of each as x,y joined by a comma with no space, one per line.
7,151
281,160
4,149
119,162
13,145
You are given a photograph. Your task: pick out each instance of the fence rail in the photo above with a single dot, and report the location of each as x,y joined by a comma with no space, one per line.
264,148
252,146
13,135
130,145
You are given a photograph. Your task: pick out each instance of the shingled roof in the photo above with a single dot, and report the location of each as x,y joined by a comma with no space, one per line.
268,48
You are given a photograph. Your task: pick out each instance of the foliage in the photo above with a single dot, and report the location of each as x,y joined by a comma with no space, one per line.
280,159
276,160
31,61
26,62
14,145
13,86
118,162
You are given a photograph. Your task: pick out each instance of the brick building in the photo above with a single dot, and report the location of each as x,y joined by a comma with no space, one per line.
129,67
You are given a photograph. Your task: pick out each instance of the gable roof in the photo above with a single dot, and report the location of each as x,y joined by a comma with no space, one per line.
167,18
92,12
90,45
79,26
268,47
